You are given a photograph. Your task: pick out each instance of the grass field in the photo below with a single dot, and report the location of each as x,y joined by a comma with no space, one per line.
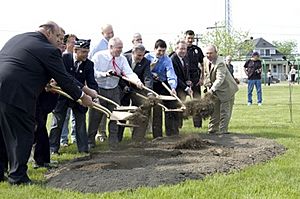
278,178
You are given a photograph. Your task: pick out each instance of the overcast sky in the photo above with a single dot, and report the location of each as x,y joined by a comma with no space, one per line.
272,20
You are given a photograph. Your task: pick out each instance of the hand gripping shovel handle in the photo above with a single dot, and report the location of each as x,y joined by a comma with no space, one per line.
118,107
132,82
170,91
115,115
96,106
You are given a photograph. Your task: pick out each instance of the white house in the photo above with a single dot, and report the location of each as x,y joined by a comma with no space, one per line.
271,59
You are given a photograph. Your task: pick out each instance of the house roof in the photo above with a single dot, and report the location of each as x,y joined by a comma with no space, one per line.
261,43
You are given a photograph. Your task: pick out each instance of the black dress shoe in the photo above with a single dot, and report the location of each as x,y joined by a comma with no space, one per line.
25,182
225,132
45,165
196,126
3,179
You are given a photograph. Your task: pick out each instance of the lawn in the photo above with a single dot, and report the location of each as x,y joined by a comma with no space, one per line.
278,178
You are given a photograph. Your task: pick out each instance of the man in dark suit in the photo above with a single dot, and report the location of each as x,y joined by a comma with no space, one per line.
27,62
180,64
141,66
45,104
82,69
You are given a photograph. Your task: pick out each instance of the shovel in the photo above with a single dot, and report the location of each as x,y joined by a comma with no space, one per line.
118,107
174,95
115,115
161,97
161,105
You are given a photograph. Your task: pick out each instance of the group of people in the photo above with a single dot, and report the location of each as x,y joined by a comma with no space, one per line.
30,61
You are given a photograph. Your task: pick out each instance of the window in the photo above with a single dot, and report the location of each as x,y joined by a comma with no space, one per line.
267,52
261,52
274,69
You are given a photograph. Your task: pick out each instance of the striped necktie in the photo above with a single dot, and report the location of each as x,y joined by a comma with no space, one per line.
76,65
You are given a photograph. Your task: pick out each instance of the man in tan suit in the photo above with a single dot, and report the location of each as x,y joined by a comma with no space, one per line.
220,82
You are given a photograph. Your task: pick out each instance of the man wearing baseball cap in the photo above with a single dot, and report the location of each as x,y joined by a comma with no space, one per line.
79,66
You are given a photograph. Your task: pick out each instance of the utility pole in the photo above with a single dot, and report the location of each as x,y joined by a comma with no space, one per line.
197,38
228,16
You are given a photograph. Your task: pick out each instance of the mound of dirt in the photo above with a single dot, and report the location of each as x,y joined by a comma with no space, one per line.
168,160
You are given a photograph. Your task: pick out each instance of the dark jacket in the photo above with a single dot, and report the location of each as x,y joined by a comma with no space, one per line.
84,74
142,70
182,72
195,56
27,62
253,68
46,102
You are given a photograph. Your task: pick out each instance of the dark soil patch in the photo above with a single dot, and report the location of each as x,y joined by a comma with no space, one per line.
167,160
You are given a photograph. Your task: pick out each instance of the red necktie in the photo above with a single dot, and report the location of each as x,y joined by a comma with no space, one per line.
116,67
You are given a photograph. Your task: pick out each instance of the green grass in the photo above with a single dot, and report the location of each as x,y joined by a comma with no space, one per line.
277,178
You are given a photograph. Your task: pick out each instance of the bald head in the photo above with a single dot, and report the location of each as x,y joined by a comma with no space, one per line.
52,31
137,39
50,26
107,31
228,59
211,52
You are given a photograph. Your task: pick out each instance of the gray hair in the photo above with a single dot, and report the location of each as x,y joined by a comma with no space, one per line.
135,36
180,41
51,26
211,46
113,41
139,47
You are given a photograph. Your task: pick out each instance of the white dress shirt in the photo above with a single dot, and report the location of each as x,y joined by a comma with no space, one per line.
103,63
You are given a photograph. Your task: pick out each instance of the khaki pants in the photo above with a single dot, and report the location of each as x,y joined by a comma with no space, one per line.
219,120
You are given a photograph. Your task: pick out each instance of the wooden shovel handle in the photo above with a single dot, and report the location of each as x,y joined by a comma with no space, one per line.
171,93
144,87
108,100
96,106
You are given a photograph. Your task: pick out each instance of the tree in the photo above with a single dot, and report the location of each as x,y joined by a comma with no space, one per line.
287,48
235,43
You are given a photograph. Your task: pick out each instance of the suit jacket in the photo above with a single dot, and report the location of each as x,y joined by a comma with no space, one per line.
27,62
219,79
84,74
142,69
181,71
46,102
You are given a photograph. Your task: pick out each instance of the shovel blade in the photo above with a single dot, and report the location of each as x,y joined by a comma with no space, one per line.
126,125
126,108
173,110
119,115
166,97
